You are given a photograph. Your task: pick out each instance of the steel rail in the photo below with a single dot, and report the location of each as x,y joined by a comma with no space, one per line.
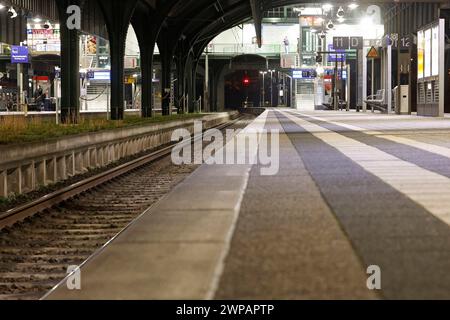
34,207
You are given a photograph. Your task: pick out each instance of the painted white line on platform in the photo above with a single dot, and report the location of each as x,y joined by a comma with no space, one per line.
442,151
256,127
403,176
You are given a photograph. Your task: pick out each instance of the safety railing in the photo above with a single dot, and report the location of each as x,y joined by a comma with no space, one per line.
238,49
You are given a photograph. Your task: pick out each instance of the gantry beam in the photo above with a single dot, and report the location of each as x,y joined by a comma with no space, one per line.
257,13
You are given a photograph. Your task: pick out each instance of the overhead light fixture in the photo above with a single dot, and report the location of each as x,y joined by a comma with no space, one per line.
341,20
340,13
12,13
330,25
37,20
353,6
47,25
2,6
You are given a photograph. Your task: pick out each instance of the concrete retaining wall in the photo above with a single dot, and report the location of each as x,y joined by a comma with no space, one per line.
253,111
26,167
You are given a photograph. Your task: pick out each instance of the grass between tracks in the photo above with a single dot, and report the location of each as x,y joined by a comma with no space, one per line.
22,130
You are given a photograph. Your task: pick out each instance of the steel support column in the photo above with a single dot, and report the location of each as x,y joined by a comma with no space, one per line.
257,12
189,85
146,33
180,85
117,14
70,64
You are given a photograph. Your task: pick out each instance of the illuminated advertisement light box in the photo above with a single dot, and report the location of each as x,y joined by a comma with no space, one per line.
43,40
435,52
427,53
420,53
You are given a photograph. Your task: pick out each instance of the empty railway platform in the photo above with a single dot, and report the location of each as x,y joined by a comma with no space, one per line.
224,159
354,197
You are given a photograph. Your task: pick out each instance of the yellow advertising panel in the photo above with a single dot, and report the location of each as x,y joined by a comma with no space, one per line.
420,54
427,53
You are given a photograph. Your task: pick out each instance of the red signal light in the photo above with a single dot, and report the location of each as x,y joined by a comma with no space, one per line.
246,81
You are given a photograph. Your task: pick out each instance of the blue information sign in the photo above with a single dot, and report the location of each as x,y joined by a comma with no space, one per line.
19,54
339,56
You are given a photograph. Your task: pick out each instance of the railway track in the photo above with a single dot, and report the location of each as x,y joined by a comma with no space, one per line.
40,240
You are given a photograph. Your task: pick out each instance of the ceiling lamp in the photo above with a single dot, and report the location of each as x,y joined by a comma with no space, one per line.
330,25
340,13
12,13
47,25
353,6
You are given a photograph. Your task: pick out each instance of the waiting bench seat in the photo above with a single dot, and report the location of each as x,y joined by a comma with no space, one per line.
378,101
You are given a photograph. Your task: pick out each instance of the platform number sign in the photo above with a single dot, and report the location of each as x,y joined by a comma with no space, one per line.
356,43
398,42
348,43
405,42
341,43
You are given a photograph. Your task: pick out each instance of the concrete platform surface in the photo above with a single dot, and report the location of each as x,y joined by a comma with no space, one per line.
352,191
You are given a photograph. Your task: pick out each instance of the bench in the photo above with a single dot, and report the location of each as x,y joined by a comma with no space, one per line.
378,101
330,105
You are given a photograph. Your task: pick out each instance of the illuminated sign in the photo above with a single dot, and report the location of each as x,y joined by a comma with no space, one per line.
102,76
42,40
19,54
421,54
304,74
435,52
428,52
339,56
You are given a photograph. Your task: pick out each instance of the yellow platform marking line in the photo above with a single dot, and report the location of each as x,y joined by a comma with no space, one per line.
426,188
442,151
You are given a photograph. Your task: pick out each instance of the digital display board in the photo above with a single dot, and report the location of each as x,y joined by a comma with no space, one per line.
102,75
339,56
304,74
42,40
